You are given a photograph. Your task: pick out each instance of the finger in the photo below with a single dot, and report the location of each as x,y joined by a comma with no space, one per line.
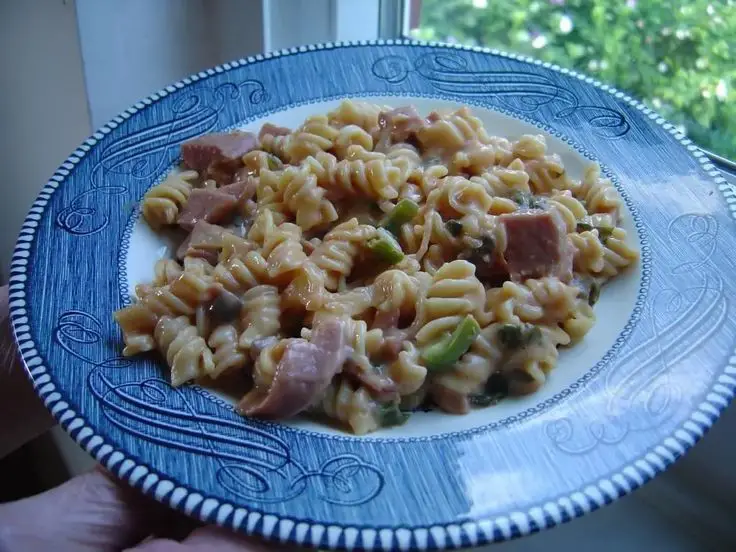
207,538
90,513
18,400
210,539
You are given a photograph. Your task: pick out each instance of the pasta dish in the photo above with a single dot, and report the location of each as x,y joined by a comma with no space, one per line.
372,262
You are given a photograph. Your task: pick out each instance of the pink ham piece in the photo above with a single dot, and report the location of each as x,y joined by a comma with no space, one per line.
242,189
380,386
218,156
211,205
273,130
205,242
215,205
303,374
536,245
398,125
202,152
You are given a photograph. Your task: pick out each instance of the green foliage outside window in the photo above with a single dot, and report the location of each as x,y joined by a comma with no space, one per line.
678,56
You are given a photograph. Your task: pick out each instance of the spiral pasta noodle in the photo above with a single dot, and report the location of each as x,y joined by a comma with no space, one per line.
337,252
454,293
166,271
227,355
598,194
316,134
162,203
362,114
186,352
298,192
376,178
260,315
452,131
470,374
408,370
350,405
180,297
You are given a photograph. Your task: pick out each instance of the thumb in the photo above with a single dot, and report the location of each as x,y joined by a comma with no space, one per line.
90,513
212,539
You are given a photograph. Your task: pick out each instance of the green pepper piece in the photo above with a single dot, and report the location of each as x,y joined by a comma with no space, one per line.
404,212
525,199
274,163
533,335
385,247
511,336
390,415
447,351
520,197
594,293
604,232
454,227
481,400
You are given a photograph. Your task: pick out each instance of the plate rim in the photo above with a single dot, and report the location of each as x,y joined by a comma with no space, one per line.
168,491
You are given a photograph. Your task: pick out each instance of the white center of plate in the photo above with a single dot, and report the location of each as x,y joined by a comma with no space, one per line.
613,310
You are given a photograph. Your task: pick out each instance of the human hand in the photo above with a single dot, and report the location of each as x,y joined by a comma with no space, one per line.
96,513
93,512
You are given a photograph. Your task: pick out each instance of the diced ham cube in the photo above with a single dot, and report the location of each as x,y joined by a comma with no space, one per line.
242,190
536,245
218,156
202,152
205,242
211,205
398,125
273,130
215,205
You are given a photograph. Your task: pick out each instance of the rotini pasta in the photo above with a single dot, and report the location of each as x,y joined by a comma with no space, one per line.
372,261
350,405
260,315
337,253
297,191
186,352
227,354
162,203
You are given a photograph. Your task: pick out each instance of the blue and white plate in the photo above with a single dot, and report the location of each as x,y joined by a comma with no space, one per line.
646,383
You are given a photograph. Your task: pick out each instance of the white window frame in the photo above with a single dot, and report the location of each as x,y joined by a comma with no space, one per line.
291,23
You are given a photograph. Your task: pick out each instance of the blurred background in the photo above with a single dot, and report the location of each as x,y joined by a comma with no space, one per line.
678,56
66,67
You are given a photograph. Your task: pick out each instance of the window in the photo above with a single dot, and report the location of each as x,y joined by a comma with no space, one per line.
678,56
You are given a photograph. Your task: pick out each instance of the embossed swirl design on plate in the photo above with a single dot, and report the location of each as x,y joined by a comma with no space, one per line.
248,461
523,91
145,153
678,320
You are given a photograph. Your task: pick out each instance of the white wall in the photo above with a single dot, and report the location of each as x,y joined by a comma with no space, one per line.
132,48
43,104
290,23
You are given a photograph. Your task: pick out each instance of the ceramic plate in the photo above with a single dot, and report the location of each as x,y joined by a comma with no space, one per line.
646,383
